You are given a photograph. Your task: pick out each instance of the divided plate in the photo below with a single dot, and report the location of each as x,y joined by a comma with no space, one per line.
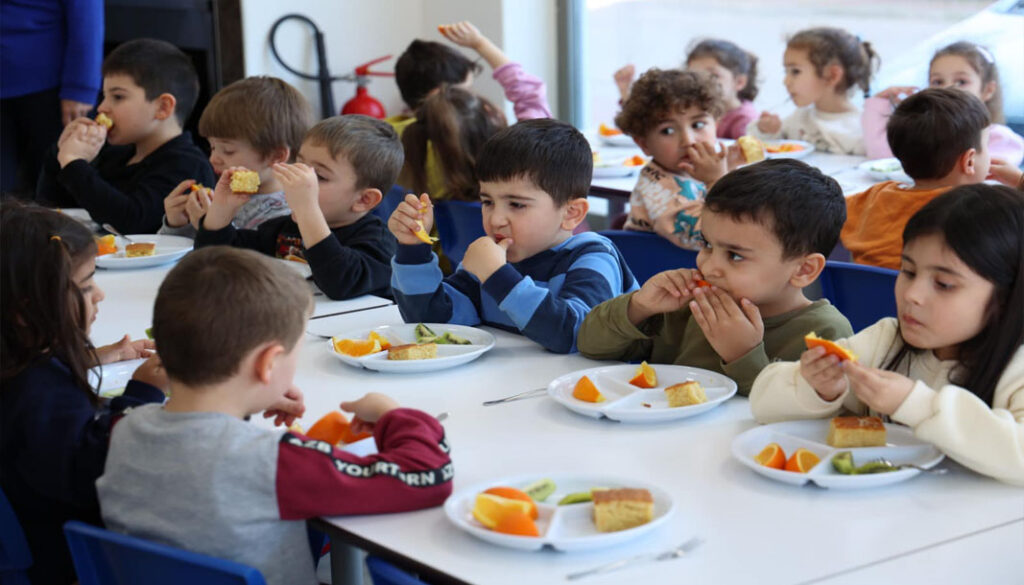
885,169
565,528
115,377
901,447
447,355
626,403
168,249
808,148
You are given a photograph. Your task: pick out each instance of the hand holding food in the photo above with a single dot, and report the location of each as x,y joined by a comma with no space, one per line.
370,407
412,220
485,256
769,123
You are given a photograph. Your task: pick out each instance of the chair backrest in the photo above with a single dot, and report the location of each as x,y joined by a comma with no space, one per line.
647,253
15,555
394,196
459,223
864,294
384,573
103,557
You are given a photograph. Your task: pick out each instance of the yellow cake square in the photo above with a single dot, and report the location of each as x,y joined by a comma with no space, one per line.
245,181
856,431
620,509
688,393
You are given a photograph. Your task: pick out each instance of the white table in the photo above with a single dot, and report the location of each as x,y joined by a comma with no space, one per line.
755,530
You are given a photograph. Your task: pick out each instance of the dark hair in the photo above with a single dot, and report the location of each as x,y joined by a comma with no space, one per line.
455,123
425,65
802,206
220,303
266,112
827,45
158,67
552,155
662,92
733,58
43,309
984,226
370,145
981,60
931,129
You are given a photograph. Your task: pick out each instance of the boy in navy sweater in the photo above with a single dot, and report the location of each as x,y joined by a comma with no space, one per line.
529,274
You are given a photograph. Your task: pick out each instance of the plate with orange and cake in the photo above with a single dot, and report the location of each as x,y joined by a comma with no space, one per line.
411,347
845,452
140,250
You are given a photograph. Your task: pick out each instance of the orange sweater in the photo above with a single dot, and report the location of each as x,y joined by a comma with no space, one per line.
873,232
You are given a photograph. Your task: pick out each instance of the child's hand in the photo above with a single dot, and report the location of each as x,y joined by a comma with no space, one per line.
485,256
734,156
624,79
897,93
663,293
823,372
152,372
290,407
882,391
197,205
84,141
411,215
300,186
463,34
732,329
126,349
225,202
706,164
368,410
1005,173
769,123
174,204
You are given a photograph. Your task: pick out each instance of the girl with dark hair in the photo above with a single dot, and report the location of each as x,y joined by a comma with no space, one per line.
951,366
54,428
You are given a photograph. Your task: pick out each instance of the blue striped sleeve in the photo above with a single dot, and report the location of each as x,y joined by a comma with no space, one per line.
424,296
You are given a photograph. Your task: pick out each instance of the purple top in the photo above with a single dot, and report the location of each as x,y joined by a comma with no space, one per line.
734,123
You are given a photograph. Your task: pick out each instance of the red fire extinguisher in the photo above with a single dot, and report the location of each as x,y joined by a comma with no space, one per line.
363,102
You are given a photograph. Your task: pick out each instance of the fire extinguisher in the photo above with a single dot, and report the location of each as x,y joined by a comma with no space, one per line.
363,102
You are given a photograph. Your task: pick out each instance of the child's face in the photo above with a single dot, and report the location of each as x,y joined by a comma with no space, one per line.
941,302
956,72
728,82
520,210
668,140
225,153
125,103
92,294
336,180
744,258
802,81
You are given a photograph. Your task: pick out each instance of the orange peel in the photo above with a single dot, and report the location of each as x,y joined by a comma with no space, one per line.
831,347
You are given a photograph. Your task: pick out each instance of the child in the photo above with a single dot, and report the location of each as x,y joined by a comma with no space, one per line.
941,138
54,428
253,123
346,164
952,366
149,88
229,324
670,114
822,64
767,228
963,66
529,274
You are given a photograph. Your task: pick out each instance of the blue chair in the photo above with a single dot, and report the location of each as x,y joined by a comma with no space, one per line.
459,223
384,573
648,253
103,557
864,294
15,556
394,196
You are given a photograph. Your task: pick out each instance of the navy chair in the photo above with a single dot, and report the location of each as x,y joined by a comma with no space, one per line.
864,294
103,557
459,223
394,196
384,573
15,556
647,253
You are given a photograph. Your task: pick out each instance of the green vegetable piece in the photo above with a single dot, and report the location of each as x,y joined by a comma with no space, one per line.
449,337
424,334
149,332
576,498
843,463
540,490
875,467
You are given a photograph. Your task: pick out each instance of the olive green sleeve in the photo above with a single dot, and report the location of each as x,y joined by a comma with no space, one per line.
607,334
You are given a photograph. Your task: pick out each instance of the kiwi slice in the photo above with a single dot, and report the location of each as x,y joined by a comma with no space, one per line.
576,498
453,339
424,334
540,490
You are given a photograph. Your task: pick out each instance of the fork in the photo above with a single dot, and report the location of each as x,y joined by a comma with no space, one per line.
936,471
668,555
114,231
520,396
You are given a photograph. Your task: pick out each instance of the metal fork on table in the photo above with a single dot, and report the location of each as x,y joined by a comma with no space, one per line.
114,231
670,554
520,396
935,470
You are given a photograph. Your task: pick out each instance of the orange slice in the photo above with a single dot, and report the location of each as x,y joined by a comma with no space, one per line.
586,391
356,347
801,461
645,376
351,437
384,343
106,245
514,494
489,509
517,523
331,428
422,234
635,161
702,283
831,347
772,456
606,130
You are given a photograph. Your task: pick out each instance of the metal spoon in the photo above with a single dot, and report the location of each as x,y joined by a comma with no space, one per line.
111,229
935,470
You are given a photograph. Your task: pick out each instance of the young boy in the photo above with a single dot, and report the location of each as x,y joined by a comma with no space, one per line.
940,135
529,274
766,230
149,88
346,164
253,123
230,324
671,116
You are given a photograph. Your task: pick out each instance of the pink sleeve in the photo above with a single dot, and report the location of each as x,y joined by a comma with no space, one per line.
1005,144
527,93
873,120
734,123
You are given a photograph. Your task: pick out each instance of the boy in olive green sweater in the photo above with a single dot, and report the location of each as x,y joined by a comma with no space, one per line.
766,230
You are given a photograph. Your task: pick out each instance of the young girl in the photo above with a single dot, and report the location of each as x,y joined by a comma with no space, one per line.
952,366
822,65
734,69
962,65
54,428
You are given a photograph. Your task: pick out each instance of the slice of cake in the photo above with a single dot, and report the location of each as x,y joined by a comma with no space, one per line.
856,431
688,393
104,120
622,508
139,249
245,182
413,351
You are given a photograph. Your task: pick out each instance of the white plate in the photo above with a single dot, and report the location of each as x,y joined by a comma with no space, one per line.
447,355
625,402
168,249
301,267
885,169
565,528
808,149
618,140
115,377
901,447
613,168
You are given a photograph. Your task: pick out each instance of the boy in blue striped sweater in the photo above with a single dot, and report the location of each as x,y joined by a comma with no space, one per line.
529,274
